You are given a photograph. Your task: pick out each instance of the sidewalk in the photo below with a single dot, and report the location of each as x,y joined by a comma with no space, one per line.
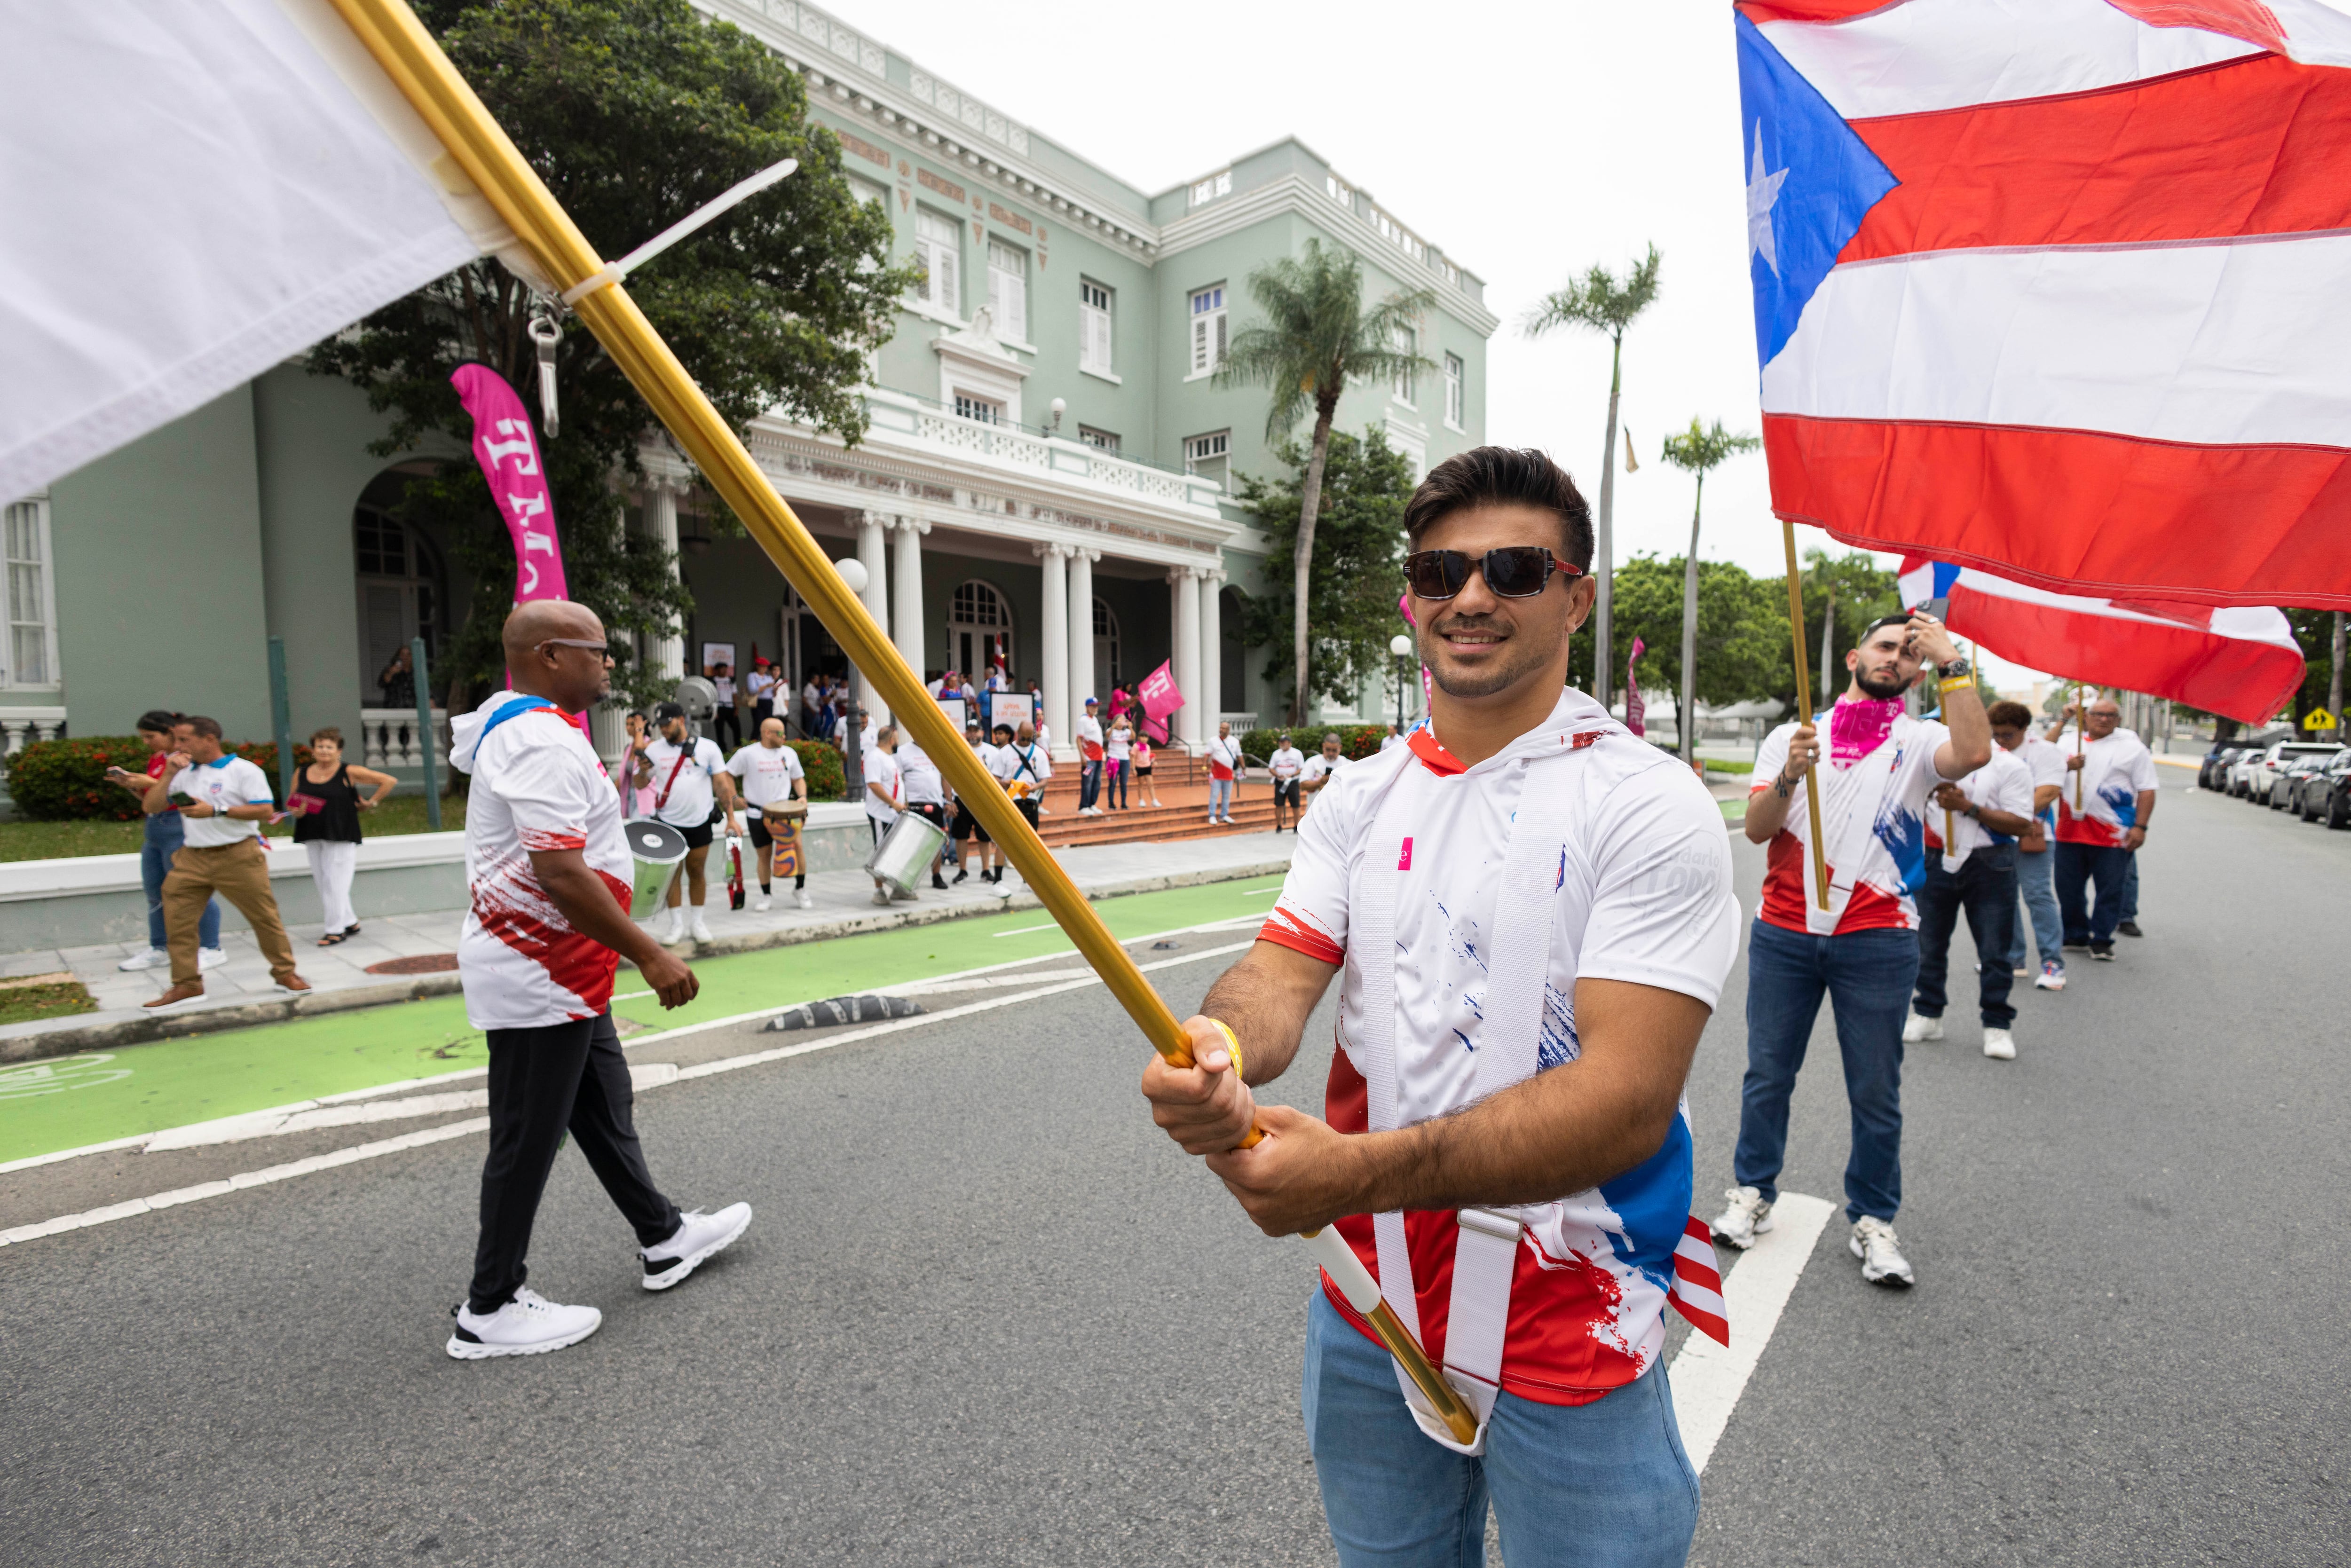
401,957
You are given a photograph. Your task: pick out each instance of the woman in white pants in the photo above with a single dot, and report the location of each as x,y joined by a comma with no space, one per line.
326,794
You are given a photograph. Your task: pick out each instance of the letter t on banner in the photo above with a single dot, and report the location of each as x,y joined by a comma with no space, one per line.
507,447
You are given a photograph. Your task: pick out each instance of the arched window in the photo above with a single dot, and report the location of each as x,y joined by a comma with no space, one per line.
402,588
1106,646
979,630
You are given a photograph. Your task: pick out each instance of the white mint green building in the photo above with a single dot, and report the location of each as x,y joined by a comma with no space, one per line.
1047,470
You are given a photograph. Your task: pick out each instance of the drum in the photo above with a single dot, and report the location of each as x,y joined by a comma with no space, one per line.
660,850
905,852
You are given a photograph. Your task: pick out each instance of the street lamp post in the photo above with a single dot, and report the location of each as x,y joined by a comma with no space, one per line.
1401,646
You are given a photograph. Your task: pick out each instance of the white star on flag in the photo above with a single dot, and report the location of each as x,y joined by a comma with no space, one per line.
1763,191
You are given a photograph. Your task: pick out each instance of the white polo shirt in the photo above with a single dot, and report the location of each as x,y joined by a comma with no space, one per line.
681,781
231,781
1650,902
766,775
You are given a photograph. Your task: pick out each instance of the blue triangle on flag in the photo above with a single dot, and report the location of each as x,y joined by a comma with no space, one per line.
1810,181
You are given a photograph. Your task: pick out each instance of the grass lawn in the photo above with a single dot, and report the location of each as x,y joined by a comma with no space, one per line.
42,997
23,840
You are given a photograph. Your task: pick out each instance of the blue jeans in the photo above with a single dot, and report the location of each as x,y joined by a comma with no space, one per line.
1868,976
2130,888
1605,1485
165,833
1220,797
1985,886
2079,866
2032,884
1089,785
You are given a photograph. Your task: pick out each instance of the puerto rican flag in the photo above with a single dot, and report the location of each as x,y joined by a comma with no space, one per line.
2242,662
2058,288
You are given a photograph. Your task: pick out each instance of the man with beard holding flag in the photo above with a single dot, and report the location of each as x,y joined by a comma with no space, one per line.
1529,914
1861,948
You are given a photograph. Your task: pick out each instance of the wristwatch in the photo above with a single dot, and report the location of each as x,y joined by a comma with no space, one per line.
1954,670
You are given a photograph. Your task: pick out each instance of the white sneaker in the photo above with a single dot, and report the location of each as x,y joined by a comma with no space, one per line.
210,958
1749,1216
702,929
699,1237
153,958
673,926
2053,977
1999,1045
530,1324
1882,1262
1920,1029
800,896
760,906
900,896
882,895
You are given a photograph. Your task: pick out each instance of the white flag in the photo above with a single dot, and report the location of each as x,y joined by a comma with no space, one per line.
191,191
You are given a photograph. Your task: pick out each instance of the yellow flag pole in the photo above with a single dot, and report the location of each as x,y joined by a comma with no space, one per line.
1804,711
481,148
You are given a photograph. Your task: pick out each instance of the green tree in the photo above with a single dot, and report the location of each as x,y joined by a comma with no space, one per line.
635,112
1699,452
1316,337
1358,565
1598,302
1742,650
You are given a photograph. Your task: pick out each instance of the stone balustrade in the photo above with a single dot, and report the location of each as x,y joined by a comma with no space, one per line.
20,726
391,739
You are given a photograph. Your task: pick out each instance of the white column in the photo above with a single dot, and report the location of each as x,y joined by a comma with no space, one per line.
870,552
906,593
1212,651
666,654
1053,624
1082,674
1187,581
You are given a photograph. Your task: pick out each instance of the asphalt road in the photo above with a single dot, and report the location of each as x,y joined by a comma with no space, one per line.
986,1315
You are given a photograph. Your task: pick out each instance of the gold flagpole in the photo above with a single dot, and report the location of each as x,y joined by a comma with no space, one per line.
1804,712
464,126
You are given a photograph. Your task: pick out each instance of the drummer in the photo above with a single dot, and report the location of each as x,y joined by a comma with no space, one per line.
774,787
885,797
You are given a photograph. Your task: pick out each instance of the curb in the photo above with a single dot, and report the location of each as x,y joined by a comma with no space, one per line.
63,1037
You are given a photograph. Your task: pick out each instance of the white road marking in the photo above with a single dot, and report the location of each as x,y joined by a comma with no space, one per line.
647,1076
1707,1378
1024,930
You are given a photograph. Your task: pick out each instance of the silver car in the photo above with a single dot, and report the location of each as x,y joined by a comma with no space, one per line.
2263,775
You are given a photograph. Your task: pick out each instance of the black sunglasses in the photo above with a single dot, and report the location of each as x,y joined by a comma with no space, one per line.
1514,571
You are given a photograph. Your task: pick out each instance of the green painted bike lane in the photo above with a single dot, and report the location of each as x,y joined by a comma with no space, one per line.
66,1103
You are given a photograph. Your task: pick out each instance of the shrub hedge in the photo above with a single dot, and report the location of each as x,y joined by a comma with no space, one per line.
826,779
64,780
1356,741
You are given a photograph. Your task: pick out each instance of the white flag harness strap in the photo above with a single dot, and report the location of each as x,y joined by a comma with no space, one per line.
1485,1256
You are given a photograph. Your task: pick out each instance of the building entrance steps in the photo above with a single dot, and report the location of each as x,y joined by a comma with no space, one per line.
403,950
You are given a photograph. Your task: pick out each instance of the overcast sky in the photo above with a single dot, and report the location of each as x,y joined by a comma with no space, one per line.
1529,141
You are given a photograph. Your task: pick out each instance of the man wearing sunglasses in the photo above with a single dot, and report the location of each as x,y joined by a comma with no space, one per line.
1529,912
1883,768
549,870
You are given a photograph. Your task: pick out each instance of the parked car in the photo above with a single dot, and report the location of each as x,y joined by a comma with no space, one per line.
2272,763
2317,800
2241,771
2213,772
2286,790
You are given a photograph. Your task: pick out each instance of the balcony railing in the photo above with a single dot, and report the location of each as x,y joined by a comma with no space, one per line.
1044,452
20,726
390,738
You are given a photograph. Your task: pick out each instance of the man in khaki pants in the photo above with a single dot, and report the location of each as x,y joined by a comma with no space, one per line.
223,800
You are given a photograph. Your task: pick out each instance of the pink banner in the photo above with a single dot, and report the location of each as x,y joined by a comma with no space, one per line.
507,449
1633,706
1160,698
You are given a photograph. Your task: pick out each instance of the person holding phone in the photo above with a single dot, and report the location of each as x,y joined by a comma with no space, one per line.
163,836
222,799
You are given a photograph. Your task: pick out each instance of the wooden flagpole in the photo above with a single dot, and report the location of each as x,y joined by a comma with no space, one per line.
1805,712
481,148
2080,730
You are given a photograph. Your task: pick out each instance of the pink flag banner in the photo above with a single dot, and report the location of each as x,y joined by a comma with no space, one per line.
1633,706
1160,698
507,447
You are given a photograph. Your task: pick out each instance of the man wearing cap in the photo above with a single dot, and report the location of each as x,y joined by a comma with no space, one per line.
1090,752
683,772
548,870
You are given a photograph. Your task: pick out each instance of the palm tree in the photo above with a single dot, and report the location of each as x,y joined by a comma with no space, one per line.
1599,303
1696,451
1317,336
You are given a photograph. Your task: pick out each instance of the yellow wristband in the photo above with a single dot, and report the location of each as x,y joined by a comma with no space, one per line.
1957,683
1233,1045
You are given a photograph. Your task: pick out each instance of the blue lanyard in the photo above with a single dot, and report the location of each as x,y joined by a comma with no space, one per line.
514,709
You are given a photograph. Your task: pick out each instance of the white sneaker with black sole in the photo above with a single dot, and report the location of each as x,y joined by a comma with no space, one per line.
1921,1029
1882,1262
530,1324
699,1237
1749,1216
